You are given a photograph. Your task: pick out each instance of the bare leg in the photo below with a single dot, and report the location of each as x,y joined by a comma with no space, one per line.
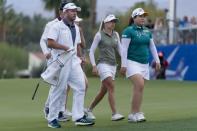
86,83
98,97
138,82
108,83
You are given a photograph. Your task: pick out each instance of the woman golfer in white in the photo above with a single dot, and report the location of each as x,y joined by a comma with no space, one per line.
107,40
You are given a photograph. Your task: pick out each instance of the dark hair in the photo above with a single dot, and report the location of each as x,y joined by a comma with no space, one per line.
131,21
62,4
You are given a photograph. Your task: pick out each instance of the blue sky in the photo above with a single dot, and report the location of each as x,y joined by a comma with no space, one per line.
30,7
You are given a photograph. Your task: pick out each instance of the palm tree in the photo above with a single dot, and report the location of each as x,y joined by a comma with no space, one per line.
3,19
52,5
84,4
88,13
93,13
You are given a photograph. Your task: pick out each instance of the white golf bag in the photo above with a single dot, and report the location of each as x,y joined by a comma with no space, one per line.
52,73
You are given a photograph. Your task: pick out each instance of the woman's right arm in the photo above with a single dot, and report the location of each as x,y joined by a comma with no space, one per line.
125,45
93,47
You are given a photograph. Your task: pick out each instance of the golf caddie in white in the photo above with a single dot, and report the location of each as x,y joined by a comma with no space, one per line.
52,62
62,38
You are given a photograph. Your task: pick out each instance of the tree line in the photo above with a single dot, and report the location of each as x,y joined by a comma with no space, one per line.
18,29
23,30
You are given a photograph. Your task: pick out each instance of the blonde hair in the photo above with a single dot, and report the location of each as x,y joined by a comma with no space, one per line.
101,25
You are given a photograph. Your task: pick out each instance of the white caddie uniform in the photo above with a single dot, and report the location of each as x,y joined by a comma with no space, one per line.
46,50
43,40
71,74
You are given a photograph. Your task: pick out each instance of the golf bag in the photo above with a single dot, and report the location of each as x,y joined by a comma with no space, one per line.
52,73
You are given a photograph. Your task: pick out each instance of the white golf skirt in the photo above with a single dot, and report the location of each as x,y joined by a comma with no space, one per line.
137,68
106,70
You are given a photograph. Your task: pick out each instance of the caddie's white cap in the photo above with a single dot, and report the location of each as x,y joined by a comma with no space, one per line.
77,19
71,6
109,18
138,11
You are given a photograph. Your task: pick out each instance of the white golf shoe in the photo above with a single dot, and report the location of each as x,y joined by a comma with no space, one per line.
68,113
117,117
136,117
89,114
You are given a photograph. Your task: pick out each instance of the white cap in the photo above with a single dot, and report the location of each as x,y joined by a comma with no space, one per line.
110,18
77,19
138,11
71,6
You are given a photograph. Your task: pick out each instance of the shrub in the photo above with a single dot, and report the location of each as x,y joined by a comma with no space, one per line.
11,59
36,71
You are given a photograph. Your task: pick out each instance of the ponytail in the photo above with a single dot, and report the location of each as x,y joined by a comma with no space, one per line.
131,21
101,26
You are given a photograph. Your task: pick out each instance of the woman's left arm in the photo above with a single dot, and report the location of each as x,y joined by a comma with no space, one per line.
154,54
119,44
154,51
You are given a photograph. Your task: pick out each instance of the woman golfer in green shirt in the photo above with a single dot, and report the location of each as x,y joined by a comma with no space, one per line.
136,42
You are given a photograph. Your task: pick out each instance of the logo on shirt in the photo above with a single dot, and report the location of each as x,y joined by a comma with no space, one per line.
145,31
124,36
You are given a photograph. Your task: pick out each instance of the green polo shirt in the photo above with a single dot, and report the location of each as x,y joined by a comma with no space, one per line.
138,49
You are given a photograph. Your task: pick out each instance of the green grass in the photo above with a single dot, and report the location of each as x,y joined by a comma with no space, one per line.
168,106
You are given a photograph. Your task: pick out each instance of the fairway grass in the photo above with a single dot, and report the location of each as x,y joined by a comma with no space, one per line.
168,106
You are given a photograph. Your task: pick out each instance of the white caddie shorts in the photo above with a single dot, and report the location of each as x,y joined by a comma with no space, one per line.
137,68
106,70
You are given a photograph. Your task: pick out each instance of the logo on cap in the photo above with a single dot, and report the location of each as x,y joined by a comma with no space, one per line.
138,11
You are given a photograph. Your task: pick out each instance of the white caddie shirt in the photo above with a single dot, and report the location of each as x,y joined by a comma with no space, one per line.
61,33
43,40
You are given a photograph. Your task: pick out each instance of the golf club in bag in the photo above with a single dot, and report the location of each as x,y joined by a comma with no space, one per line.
38,84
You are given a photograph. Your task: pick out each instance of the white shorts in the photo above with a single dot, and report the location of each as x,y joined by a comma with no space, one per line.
106,70
137,68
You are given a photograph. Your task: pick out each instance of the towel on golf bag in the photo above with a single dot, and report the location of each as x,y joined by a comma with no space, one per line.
52,72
